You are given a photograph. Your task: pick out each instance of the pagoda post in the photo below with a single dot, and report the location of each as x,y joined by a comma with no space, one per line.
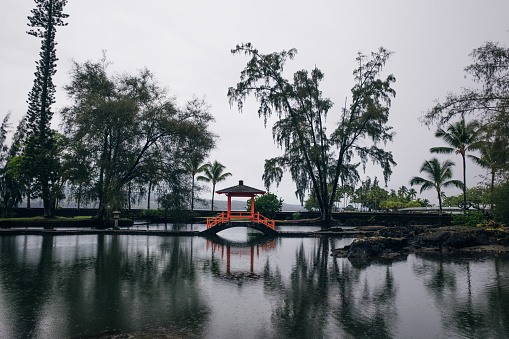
229,208
252,207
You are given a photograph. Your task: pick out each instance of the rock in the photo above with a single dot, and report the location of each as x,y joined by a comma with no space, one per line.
371,247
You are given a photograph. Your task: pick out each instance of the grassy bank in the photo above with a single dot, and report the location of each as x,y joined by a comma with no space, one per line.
56,222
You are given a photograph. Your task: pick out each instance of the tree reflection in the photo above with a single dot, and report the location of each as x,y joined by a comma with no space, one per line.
483,313
302,308
315,292
123,285
27,284
365,307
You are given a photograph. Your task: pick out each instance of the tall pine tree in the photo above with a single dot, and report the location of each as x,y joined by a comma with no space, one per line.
39,148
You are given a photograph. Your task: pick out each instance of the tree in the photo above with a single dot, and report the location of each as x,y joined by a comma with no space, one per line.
314,158
439,175
46,17
267,205
194,166
80,171
10,191
501,211
123,122
214,174
490,68
402,191
477,198
462,137
412,194
494,151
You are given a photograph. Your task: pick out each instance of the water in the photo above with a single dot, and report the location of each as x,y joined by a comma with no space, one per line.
241,286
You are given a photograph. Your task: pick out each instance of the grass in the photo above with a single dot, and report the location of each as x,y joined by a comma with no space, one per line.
46,220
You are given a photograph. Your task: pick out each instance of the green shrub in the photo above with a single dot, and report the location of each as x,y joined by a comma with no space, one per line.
501,199
296,216
268,205
468,219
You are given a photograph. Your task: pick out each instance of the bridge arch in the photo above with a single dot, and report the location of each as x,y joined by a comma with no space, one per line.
213,230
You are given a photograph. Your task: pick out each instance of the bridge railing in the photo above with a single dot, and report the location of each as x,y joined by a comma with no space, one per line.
258,218
240,215
263,220
216,220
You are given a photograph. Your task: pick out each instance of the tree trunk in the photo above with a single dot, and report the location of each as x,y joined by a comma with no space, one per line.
48,211
464,184
149,191
129,196
213,189
192,194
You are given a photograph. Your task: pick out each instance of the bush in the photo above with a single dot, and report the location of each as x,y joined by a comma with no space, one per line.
268,205
501,199
468,219
296,216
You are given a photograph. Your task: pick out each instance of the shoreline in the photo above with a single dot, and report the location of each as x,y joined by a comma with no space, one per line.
392,242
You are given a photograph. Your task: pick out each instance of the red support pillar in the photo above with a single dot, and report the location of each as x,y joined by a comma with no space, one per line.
228,259
229,207
252,207
252,259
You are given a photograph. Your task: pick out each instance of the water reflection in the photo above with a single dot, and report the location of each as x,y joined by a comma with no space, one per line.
241,285
228,248
117,288
472,293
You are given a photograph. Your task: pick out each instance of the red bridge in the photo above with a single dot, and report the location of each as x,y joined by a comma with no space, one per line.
244,219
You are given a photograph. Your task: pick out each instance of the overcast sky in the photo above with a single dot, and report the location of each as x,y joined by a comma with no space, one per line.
187,45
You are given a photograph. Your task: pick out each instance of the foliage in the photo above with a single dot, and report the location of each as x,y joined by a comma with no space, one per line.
478,197
490,68
391,205
122,126
469,219
311,204
462,137
214,174
423,202
501,210
194,166
38,153
439,175
268,205
495,151
491,224
10,192
370,194
314,158
412,204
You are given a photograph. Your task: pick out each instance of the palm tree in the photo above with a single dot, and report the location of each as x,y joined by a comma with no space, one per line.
402,191
194,166
461,137
411,194
214,173
494,157
438,177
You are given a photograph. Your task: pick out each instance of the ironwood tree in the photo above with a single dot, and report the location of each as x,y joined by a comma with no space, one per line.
125,125
315,158
38,151
488,104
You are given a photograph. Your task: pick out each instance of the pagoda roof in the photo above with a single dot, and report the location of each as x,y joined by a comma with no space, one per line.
240,190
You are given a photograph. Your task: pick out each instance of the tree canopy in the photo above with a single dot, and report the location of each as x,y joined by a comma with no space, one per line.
125,125
438,177
314,157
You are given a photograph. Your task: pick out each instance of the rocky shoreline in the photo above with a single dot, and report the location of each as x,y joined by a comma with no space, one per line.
393,242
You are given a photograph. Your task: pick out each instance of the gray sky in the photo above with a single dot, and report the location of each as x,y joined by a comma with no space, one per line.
187,45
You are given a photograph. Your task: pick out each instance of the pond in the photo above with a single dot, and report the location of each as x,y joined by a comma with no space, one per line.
241,285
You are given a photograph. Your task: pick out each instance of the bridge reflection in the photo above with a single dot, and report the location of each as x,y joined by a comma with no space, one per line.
252,248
